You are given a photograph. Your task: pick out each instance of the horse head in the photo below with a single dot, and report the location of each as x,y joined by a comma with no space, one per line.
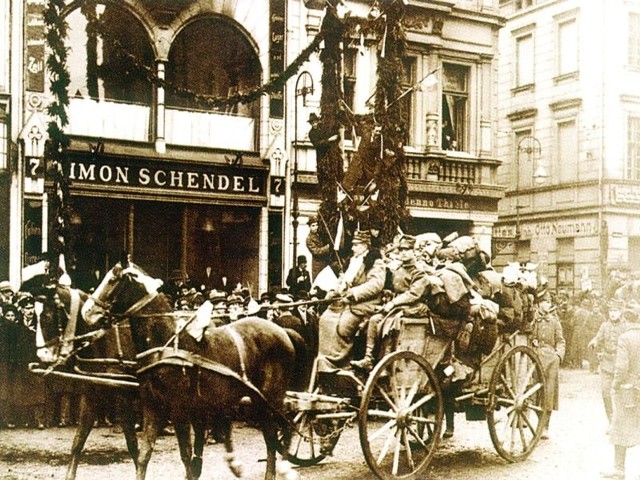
124,291
59,322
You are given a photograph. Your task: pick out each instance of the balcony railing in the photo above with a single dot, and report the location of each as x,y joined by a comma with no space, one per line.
210,130
443,170
105,119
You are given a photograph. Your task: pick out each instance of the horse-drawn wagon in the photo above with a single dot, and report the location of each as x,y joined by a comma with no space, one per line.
399,407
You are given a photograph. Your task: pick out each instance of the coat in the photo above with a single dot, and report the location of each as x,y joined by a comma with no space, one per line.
625,424
548,341
410,285
320,252
606,341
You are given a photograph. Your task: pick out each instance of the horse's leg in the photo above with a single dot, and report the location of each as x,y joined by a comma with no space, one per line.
86,416
183,434
152,424
285,470
199,432
224,424
127,414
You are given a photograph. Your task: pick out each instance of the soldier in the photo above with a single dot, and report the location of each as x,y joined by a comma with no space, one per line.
548,341
409,284
319,248
604,343
361,288
625,423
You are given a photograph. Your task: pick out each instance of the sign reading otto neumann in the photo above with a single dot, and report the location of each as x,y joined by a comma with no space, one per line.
156,175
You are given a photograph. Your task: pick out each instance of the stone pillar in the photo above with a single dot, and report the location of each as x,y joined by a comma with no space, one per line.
161,145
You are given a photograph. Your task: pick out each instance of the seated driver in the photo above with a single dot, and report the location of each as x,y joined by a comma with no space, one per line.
409,284
360,288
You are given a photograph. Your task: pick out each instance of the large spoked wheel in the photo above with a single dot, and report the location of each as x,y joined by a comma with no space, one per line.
515,413
305,446
401,416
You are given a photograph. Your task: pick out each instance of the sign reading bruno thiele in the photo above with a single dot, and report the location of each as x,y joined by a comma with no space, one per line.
149,174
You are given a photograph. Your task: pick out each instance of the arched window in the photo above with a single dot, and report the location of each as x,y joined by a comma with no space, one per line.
211,58
113,64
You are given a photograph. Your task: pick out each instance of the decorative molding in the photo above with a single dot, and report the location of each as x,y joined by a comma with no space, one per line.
522,114
565,104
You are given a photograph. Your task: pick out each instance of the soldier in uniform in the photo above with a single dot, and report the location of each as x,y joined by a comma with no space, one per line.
361,289
625,423
548,341
604,343
320,248
409,284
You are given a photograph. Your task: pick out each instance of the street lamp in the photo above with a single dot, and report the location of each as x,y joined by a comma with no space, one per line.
300,90
531,146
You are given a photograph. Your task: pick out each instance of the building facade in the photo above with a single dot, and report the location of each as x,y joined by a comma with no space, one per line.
568,135
163,166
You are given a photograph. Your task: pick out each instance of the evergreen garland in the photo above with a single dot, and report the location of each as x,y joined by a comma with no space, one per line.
58,142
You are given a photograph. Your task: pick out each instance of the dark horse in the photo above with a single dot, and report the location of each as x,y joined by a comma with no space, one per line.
108,359
197,376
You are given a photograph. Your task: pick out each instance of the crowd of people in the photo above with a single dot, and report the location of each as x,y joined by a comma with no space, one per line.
25,399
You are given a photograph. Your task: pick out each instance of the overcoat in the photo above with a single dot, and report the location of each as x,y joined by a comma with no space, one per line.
625,424
547,339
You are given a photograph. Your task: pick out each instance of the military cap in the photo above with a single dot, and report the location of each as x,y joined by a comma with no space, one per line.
283,298
26,300
313,220
407,242
265,297
362,236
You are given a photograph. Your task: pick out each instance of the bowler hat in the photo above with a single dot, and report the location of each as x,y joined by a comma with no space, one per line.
234,299
217,296
313,118
362,236
5,286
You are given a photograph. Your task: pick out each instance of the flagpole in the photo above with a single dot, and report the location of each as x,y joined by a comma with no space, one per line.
326,227
413,87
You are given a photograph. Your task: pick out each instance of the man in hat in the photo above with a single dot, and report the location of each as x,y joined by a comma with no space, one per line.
604,344
235,307
360,289
320,248
219,314
548,341
320,136
409,284
625,423
299,278
6,294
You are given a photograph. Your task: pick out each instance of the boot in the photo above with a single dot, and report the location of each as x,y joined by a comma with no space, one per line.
366,364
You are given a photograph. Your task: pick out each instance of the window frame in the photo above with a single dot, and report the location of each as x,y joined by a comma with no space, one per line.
461,135
567,18
632,165
633,47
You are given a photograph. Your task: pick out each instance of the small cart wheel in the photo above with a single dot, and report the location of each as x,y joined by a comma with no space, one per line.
515,411
401,416
305,447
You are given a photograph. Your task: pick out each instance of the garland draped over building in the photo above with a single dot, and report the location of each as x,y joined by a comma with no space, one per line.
57,143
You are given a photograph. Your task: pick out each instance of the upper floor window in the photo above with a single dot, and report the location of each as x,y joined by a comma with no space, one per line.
524,60
520,4
4,140
567,47
455,106
566,168
634,40
349,83
408,81
113,64
633,149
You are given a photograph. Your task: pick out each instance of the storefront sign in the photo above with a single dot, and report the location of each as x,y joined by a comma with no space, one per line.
32,232
453,202
627,194
146,174
560,228
276,55
35,45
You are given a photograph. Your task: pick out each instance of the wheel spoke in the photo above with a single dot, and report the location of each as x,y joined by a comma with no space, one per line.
522,432
507,385
396,452
387,398
386,447
528,422
419,403
382,430
535,388
407,448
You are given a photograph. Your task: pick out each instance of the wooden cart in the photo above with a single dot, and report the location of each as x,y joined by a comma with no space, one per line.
399,408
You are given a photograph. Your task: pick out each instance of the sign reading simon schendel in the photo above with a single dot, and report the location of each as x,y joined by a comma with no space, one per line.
178,177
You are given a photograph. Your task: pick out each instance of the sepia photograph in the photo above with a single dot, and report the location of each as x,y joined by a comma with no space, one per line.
319,239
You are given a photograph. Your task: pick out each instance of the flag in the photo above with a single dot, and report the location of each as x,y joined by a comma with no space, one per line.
326,279
341,194
339,232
